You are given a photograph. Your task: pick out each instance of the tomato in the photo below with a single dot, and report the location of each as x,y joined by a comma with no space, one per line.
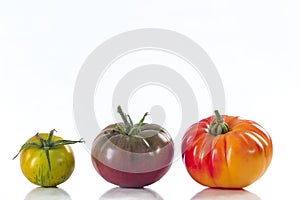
132,155
47,160
226,151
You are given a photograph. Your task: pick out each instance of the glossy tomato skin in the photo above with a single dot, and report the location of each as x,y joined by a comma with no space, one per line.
133,160
231,160
34,163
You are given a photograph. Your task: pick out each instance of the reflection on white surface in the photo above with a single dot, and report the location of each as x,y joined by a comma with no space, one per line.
130,194
52,193
223,194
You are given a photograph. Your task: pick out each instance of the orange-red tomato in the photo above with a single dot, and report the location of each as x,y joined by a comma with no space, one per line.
226,151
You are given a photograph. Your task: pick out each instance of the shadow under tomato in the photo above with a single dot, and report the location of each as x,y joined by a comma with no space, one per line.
119,193
50,193
225,194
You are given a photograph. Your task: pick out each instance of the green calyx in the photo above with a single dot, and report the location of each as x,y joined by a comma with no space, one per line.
218,126
47,145
128,128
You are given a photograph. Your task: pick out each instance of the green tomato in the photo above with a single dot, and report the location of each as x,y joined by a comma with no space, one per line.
47,160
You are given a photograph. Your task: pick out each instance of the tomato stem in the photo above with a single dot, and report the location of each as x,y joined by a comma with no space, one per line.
124,118
129,128
218,126
49,140
26,145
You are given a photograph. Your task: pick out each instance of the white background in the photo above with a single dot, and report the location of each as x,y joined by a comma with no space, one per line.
254,44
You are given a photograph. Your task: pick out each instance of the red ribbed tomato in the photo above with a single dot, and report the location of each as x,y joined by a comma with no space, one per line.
226,151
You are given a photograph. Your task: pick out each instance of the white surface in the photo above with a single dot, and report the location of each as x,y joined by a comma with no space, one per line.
254,44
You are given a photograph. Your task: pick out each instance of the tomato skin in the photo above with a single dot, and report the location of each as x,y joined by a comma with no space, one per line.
232,160
128,179
34,163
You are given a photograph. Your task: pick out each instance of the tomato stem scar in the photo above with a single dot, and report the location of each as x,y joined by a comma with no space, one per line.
218,126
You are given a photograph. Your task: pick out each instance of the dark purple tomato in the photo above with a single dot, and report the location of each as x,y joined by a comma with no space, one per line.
132,155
